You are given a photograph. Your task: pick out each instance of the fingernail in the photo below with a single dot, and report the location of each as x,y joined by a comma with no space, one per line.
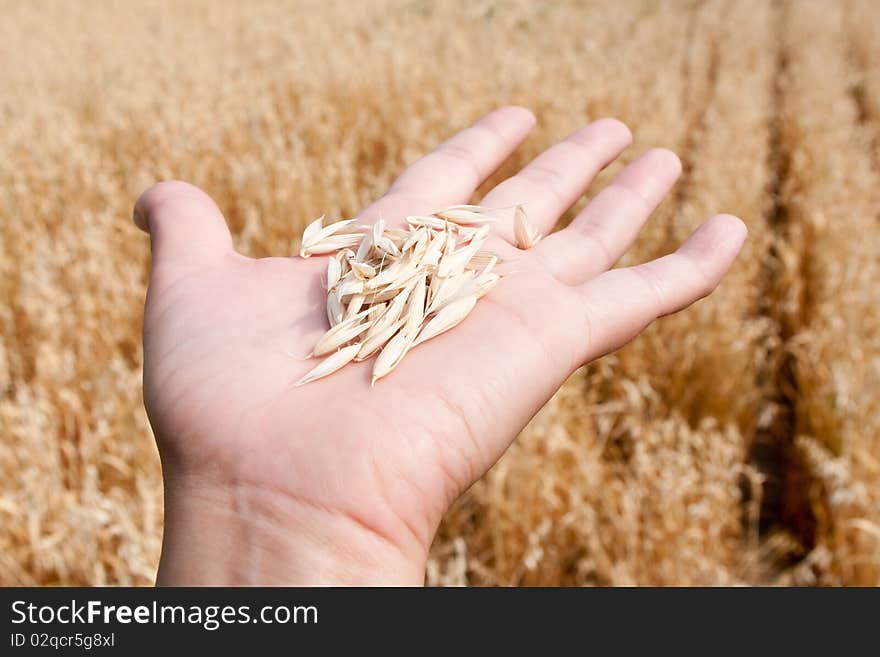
139,219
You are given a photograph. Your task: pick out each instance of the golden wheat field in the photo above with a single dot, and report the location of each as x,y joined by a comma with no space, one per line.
735,443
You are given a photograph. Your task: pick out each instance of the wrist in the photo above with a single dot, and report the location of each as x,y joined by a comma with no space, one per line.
233,534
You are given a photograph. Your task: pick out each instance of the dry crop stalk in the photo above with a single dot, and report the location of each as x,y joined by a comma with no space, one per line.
401,287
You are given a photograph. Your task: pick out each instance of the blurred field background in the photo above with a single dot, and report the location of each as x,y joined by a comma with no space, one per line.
735,443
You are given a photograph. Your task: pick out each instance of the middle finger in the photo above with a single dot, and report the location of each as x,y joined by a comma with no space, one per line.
553,181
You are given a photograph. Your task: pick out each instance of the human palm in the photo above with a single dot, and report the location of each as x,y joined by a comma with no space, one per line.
226,337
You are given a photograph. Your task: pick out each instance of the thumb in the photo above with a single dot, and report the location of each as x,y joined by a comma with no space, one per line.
184,224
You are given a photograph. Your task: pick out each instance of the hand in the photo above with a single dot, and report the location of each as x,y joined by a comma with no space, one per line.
336,482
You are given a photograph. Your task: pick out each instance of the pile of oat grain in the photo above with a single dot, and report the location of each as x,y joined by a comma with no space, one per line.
401,287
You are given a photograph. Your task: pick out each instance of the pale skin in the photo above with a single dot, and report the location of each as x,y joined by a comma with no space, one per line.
337,482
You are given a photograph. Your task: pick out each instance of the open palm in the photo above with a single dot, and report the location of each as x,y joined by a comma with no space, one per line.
356,468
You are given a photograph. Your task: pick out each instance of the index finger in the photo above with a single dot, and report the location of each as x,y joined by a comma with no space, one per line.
452,172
